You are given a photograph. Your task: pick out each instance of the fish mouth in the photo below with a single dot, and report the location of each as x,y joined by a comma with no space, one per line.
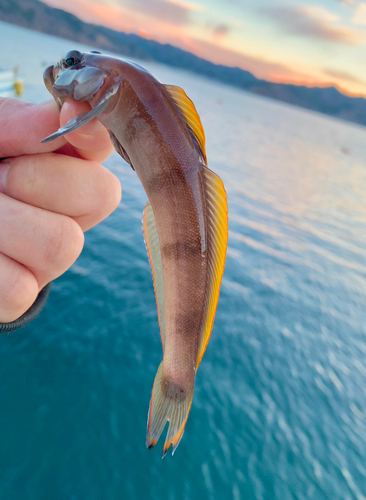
81,84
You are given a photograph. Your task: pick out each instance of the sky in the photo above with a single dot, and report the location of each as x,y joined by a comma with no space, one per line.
307,42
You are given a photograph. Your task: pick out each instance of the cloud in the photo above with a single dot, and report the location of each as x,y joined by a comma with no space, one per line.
313,22
351,3
194,7
220,31
360,14
260,67
175,12
342,75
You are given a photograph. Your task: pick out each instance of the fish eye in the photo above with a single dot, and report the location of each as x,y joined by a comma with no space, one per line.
73,57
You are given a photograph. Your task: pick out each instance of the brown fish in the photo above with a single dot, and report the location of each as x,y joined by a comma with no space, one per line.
157,130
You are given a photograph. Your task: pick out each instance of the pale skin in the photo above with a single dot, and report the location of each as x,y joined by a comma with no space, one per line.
50,194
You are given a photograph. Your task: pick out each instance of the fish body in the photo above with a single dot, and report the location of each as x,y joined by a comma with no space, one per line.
157,130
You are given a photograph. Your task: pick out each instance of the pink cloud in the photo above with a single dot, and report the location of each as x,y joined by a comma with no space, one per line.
148,24
343,75
313,22
220,31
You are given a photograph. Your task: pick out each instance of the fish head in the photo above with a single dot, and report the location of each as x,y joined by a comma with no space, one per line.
79,76
90,77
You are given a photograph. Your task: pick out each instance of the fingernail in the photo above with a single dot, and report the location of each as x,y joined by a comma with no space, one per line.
4,169
89,128
92,127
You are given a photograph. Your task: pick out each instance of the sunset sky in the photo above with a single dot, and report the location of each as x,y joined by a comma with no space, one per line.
310,42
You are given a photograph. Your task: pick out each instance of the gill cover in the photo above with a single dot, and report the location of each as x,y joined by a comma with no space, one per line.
83,82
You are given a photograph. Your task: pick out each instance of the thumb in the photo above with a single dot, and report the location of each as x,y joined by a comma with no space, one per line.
92,140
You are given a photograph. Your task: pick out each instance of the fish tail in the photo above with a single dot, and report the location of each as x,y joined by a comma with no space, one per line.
169,402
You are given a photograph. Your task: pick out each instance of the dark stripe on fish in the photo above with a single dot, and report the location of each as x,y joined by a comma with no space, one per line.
167,179
186,323
181,250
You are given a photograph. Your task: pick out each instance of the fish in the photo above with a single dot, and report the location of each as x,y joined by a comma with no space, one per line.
157,130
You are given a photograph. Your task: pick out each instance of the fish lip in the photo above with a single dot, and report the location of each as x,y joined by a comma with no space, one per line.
81,83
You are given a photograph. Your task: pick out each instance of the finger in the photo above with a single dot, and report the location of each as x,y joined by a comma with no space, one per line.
44,242
92,140
24,125
20,292
83,190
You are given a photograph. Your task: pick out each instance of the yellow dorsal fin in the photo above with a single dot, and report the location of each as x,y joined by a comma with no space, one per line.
153,250
217,236
191,116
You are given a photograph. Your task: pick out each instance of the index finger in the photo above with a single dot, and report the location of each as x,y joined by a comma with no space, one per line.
24,125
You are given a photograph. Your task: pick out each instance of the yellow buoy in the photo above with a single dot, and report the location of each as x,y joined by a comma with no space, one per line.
18,87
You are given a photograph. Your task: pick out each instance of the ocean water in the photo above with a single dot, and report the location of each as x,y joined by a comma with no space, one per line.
279,410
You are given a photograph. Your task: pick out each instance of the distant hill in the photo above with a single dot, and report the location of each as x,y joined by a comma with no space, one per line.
38,16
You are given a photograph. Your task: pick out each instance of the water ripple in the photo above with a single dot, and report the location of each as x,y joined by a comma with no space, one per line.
279,411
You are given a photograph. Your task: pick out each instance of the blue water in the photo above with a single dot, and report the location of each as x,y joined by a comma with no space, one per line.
279,410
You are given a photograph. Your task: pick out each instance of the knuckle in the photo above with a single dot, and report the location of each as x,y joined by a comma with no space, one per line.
114,194
20,294
64,244
22,180
108,194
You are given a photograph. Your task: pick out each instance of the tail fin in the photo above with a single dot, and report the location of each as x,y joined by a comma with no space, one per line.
168,403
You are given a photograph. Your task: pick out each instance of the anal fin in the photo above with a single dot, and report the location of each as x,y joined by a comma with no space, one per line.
153,250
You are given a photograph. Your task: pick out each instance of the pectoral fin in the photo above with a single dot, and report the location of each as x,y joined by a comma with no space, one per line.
120,149
80,120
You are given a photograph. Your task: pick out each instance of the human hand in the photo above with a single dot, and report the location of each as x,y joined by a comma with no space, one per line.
49,194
